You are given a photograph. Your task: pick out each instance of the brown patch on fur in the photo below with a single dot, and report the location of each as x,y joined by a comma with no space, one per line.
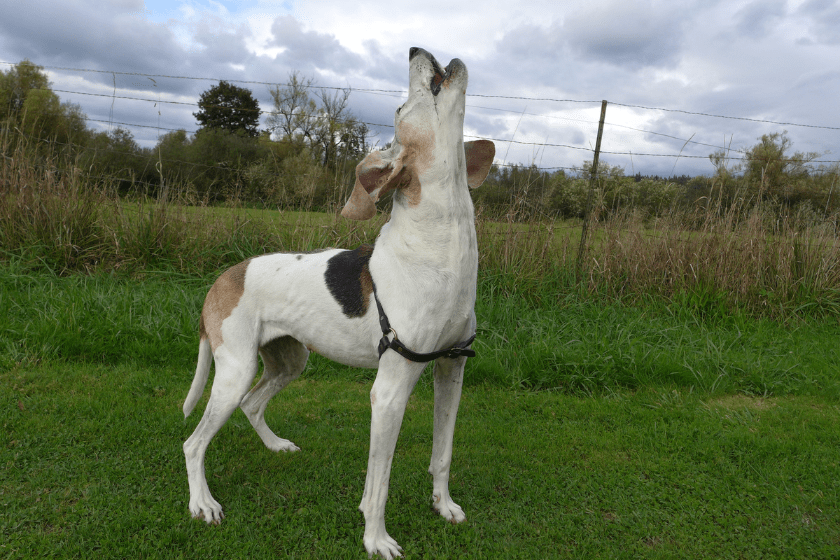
220,302
365,278
417,157
376,175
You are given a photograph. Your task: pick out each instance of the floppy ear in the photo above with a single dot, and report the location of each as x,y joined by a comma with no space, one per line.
378,173
480,154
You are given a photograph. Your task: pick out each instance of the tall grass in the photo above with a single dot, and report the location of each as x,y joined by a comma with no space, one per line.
716,261
724,264
56,217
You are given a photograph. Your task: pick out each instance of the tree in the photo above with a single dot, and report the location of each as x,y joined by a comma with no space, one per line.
293,117
28,105
334,122
229,107
769,168
329,129
115,154
16,85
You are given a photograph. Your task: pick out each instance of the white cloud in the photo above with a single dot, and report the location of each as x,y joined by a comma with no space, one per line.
755,59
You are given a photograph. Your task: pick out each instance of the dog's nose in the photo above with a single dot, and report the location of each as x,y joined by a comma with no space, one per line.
411,52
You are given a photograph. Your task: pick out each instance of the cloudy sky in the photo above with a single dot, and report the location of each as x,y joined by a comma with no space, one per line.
538,69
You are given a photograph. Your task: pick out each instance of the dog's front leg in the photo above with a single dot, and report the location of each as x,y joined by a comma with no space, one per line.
449,375
394,383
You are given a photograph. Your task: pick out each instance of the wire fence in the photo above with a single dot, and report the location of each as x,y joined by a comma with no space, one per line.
154,104
555,105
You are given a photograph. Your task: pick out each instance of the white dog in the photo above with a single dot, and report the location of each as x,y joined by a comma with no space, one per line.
420,275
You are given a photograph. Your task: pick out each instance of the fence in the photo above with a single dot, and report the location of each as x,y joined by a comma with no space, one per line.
555,110
509,150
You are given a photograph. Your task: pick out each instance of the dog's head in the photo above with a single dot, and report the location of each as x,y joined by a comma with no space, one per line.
428,146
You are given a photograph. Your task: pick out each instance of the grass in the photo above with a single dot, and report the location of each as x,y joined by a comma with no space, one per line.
92,464
674,397
550,337
580,346
744,260
666,433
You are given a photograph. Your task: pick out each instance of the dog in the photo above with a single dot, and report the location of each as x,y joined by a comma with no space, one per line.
395,306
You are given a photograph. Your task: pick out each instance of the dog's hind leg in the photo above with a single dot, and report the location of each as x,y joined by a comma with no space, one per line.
449,376
283,360
233,377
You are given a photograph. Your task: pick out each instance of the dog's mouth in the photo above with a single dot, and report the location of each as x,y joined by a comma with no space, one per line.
439,75
438,78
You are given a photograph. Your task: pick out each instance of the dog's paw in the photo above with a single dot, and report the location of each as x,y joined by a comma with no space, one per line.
208,510
383,546
279,444
448,509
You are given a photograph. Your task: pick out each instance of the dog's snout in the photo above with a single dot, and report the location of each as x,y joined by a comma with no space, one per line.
411,52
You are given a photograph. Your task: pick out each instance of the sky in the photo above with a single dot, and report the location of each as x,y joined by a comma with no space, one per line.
670,70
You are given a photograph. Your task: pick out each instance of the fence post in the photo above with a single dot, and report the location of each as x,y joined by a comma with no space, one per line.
592,177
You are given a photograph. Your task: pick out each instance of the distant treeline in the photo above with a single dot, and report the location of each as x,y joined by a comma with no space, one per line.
307,153
768,176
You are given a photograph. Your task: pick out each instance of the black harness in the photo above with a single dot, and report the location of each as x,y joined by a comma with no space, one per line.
395,344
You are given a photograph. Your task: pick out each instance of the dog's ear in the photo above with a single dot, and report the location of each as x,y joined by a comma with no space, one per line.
480,154
378,173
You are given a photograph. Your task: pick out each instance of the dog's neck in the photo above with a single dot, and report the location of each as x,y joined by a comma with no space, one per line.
439,229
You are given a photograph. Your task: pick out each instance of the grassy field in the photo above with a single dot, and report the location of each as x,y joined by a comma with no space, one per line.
736,259
92,465
675,394
549,337
662,431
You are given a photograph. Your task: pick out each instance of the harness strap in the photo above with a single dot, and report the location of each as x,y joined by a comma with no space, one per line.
460,349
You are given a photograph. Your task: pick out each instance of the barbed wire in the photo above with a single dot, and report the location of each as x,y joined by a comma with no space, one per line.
206,105
520,142
252,82
151,157
403,92
262,112
727,150
764,121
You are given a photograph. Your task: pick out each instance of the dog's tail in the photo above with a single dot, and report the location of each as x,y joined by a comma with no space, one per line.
202,371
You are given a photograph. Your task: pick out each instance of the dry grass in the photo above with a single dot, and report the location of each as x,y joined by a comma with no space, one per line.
726,262
723,260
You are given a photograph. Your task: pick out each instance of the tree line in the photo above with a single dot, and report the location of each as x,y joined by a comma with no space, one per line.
307,150
304,156
768,175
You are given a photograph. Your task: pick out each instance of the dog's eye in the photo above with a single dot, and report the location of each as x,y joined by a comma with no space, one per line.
399,109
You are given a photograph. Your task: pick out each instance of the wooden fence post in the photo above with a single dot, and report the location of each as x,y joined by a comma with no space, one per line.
593,175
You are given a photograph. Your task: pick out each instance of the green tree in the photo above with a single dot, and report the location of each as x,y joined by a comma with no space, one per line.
773,172
229,107
16,85
29,105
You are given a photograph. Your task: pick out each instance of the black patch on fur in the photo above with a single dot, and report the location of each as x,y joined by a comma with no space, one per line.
349,280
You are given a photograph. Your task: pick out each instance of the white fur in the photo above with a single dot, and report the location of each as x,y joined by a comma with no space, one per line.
424,266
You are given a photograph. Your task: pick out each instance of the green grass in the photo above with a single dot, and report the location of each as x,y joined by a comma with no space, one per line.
546,336
585,345
592,426
92,465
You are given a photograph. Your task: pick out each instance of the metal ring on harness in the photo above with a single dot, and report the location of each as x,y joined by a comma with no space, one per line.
396,344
